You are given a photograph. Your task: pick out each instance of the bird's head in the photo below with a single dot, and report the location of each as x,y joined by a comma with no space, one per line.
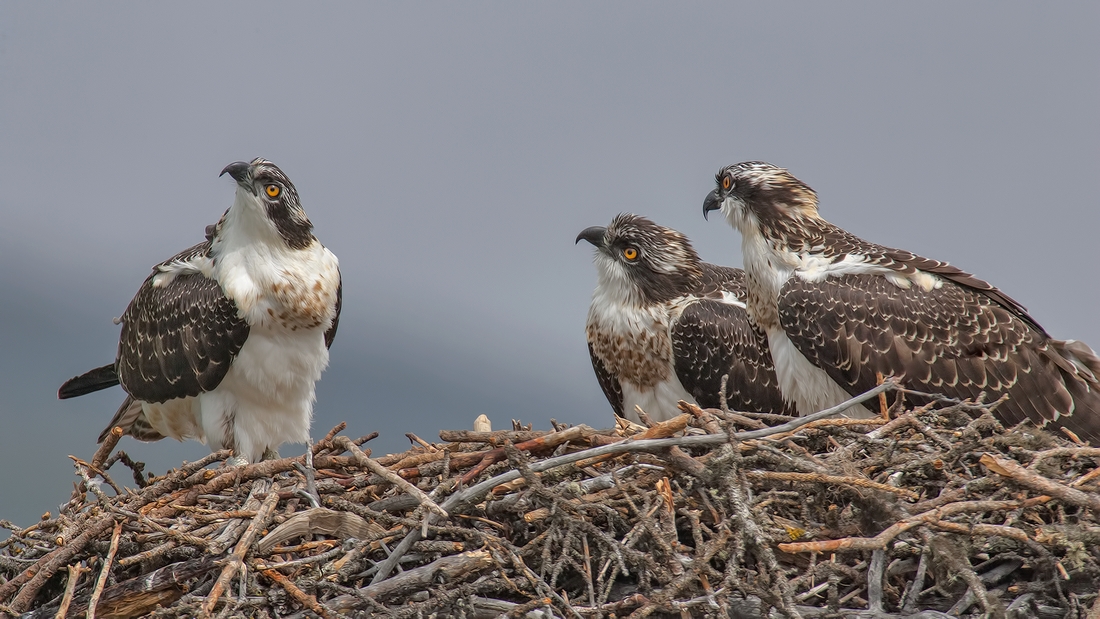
755,196
263,189
641,262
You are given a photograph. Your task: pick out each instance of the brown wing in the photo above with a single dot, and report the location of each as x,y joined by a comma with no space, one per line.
331,333
179,339
953,340
612,390
715,280
712,339
835,242
945,270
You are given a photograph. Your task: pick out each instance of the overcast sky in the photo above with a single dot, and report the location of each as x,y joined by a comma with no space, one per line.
449,153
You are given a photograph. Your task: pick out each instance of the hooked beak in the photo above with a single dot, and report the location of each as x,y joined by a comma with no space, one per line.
241,172
711,203
594,235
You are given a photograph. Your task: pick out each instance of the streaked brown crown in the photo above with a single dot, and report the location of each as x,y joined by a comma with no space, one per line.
769,191
666,265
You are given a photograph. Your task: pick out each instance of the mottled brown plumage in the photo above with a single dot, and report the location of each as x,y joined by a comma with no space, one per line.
856,309
665,326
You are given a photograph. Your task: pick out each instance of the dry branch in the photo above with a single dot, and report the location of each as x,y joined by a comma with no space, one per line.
939,509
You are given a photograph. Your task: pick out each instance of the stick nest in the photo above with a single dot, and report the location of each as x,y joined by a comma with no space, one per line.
914,513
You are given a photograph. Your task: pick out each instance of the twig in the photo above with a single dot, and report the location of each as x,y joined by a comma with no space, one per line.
495,437
362,460
237,558
30,580
106,571
448,568
106,447
75,572
1013,470
934,516
300,596
818,478
419,441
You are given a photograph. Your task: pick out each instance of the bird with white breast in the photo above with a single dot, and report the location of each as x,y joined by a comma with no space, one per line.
665,326
841,312
225,341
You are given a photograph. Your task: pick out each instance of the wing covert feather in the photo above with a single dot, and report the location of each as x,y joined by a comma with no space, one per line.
954,340
612,390
178,339
712,338
330,334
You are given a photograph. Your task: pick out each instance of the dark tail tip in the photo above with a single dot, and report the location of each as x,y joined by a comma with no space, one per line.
92,380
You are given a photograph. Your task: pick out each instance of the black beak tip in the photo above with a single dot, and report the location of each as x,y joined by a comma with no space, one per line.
593,235
711,203
238,170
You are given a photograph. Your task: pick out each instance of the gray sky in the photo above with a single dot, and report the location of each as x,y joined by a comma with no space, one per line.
449,153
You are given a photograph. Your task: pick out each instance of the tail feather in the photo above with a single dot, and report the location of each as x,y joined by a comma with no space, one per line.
88,382
131,418
1085,362
1080,368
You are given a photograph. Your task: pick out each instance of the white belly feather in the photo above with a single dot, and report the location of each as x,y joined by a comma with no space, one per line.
266,398
804,384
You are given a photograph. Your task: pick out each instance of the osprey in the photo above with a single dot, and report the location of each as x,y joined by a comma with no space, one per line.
840,311
224,341
665,326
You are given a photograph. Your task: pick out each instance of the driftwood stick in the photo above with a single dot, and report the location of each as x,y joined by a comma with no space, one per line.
105,572
916,586
137,596
876,571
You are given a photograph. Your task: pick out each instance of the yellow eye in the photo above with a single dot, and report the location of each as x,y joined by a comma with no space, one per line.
273,190
727,182
630,253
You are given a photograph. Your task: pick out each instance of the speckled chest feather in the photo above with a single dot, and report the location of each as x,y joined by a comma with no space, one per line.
302,301
633,344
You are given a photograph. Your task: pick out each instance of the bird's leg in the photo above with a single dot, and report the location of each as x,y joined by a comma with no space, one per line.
239,460
236,460
308,493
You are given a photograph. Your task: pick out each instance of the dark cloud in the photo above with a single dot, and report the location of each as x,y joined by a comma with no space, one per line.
450,153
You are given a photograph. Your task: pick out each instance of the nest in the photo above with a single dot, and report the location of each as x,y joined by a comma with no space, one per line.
915,513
